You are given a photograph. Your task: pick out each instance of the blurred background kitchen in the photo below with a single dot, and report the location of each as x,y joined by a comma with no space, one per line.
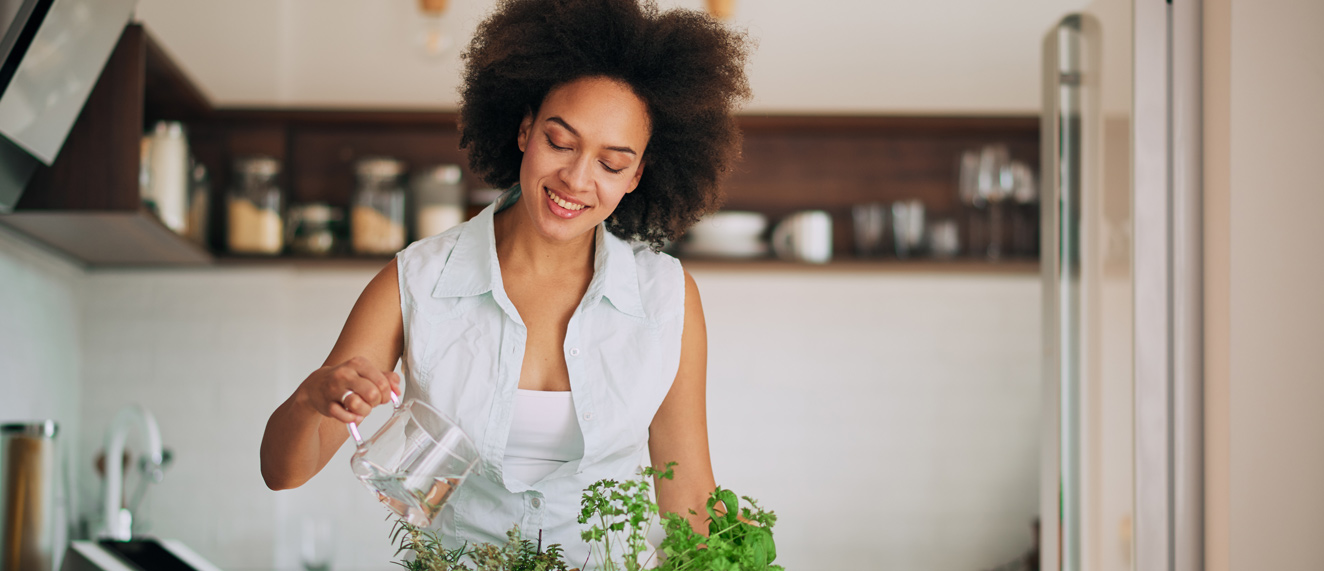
873,287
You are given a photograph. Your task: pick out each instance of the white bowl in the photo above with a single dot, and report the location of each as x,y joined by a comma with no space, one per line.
729,225
725,248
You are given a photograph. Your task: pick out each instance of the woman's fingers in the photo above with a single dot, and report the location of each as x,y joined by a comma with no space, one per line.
355,404
340,413
381,385
349,391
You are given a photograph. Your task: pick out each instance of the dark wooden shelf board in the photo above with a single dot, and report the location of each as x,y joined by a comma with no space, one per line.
109,238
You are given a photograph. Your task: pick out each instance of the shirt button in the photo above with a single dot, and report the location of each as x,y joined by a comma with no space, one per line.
588,416
574,352
537,503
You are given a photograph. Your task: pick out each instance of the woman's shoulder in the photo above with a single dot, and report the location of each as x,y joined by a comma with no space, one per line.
661,281
420,263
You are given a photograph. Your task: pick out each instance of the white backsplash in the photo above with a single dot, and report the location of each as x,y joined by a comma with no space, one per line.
40,340
41,299
890,419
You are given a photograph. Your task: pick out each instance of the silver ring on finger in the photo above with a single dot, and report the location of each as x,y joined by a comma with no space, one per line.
345,396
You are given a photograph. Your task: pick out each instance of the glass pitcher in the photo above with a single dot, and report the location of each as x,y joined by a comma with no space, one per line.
415,461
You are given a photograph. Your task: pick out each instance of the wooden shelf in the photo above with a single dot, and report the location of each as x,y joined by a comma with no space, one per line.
87,203
788,162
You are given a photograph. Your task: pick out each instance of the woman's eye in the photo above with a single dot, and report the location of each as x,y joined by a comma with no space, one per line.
556,146
612,170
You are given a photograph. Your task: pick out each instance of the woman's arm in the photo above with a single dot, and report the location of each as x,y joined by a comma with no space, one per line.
307,429
679,432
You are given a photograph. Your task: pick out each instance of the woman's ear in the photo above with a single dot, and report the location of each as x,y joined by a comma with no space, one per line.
524,127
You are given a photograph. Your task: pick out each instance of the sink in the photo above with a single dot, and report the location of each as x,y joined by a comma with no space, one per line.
136,555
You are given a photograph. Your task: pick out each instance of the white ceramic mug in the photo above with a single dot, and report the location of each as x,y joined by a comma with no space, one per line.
804,237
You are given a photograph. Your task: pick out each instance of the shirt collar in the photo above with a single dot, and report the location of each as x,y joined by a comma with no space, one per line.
472,268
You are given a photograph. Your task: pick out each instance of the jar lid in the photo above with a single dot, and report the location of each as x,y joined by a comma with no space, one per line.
445,174
40,429
168,129
257,164
315,212
379,166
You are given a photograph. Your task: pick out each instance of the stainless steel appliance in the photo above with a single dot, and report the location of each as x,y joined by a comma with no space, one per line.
1122,473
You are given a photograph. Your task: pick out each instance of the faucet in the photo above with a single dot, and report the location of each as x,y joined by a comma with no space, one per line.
119,520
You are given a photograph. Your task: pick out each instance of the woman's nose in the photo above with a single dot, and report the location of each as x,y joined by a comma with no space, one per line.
578,174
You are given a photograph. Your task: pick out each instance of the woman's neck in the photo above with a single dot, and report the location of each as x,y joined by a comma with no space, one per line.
519,246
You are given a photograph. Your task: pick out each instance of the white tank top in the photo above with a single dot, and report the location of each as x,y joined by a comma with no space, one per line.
544,434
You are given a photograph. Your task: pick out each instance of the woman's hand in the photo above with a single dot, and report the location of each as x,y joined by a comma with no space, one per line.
305,431
348,392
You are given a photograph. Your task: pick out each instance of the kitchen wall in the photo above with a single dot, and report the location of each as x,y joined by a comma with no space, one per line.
890,419
41,298
828,56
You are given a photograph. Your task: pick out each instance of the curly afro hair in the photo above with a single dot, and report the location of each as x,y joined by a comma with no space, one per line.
686,67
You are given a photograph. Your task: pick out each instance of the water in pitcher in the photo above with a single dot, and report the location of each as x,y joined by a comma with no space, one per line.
416,506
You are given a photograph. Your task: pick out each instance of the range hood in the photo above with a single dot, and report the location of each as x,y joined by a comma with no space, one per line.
51,55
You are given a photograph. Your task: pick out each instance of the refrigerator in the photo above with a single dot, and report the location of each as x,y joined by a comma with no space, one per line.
1121,463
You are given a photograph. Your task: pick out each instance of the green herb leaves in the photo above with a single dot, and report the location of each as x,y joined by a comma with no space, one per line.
620,513
739,537
620,507
515,555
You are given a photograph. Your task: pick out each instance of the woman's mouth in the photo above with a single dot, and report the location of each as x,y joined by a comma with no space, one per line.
562,207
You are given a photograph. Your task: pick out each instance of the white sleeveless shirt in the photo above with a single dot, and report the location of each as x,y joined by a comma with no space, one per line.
464,349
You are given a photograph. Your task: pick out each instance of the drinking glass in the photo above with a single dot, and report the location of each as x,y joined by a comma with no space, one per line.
944,239
968,192
907,227
1025,219
994,184
870,226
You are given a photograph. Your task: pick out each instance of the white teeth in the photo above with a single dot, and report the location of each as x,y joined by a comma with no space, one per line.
564,204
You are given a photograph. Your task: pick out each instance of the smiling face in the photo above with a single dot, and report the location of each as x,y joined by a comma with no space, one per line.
582,153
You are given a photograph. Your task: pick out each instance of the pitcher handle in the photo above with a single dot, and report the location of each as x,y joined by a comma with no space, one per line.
354,427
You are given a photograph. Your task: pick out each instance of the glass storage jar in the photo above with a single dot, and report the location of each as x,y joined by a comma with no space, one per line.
313,229
254,207
377,217
438,203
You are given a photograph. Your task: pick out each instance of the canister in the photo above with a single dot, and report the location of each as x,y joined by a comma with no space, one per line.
438,200
255,201
27,495
377,217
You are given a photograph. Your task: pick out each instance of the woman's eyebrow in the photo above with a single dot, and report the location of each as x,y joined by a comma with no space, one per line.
559,121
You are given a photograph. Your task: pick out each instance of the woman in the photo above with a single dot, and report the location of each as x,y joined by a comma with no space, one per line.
549,326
